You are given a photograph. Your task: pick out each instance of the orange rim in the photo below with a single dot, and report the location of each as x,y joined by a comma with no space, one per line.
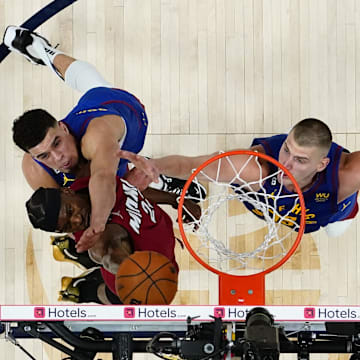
263,156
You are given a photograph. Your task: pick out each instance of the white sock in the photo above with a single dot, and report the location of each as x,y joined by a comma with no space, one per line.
82,76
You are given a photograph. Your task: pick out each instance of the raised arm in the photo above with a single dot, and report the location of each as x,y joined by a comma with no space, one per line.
182,166
99,146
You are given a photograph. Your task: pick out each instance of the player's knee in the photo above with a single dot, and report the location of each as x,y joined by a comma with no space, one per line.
82,76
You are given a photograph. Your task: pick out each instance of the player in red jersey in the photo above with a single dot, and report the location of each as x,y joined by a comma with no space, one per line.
136,223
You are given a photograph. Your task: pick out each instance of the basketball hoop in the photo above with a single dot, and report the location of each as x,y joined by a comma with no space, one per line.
242,272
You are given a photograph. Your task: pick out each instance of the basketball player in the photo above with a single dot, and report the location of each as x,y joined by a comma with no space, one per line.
328,175
85,142
135,224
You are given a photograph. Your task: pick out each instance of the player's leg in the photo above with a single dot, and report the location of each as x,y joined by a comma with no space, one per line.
88,287
195,191
32,46
106,296
64,250
79,75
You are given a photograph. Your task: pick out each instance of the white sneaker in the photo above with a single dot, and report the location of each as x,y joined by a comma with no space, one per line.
195,192
31,45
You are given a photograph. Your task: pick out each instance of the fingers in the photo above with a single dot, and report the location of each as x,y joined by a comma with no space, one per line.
132,157
128,155
146,165
153,174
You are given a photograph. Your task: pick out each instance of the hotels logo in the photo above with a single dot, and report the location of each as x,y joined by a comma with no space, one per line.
219,312
129,312
309,313
39,312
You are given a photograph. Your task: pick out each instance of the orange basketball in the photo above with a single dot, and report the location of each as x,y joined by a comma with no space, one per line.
146,277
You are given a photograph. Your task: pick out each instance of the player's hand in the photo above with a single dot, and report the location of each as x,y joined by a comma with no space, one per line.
148,166
89,237
138,178
191,213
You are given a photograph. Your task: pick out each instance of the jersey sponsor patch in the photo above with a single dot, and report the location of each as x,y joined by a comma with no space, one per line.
322,196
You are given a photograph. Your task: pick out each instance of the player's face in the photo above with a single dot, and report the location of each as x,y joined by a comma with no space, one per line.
74,212
58,150
302,162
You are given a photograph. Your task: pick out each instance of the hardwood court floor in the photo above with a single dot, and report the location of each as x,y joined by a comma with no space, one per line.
212,74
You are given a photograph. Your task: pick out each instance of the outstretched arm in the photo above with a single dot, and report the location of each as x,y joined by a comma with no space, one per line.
183,166
173,165
99,146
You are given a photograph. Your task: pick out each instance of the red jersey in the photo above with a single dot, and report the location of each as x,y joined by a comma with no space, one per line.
149,227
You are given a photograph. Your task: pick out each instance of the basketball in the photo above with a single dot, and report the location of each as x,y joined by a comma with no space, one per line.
146,277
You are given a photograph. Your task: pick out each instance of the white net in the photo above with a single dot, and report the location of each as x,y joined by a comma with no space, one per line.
244,240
